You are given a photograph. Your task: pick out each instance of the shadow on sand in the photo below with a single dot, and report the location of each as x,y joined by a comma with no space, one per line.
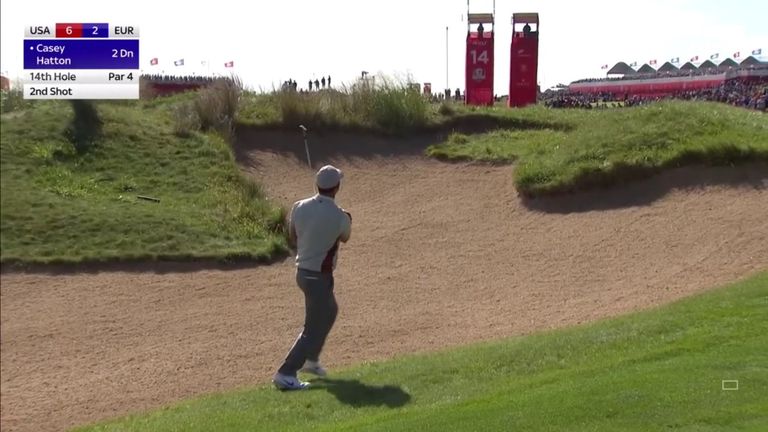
646,191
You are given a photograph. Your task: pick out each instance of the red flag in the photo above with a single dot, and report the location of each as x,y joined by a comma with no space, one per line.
695,58
229,64
653,62
153,62
737,54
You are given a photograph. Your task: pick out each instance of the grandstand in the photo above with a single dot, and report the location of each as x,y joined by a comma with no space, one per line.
623,81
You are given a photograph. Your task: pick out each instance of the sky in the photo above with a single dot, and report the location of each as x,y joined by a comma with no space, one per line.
272,41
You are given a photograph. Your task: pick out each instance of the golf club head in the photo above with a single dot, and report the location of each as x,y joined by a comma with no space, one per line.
303,129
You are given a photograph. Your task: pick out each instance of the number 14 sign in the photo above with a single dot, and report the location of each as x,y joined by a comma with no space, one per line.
479,73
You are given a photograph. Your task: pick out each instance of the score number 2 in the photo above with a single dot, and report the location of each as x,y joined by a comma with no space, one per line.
68,30
483,57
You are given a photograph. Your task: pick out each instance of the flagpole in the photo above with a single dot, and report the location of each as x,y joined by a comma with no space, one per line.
446,58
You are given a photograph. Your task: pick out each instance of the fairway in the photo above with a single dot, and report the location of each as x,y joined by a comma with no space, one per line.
657,370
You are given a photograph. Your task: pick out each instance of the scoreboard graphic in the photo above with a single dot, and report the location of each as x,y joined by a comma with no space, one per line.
81,61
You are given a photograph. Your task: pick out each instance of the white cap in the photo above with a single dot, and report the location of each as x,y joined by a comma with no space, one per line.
328,177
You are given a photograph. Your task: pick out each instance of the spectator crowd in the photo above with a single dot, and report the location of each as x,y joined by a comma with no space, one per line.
178,79
316,85
734,92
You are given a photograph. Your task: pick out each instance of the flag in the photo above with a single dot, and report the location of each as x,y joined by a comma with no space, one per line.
714,56
757,51
230,63
653,62
604,67
737,54
675,60
153,61
695,58
179,62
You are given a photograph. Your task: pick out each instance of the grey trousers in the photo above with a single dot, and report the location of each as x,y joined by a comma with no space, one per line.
320,314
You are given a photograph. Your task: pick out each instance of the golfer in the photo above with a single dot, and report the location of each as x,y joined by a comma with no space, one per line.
316,225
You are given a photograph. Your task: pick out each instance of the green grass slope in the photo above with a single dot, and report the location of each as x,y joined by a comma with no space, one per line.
607,147
656,370
61,207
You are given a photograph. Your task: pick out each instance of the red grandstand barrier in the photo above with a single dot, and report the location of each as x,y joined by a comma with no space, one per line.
648,87
166,89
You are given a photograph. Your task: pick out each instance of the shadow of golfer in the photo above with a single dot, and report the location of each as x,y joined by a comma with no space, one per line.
356,394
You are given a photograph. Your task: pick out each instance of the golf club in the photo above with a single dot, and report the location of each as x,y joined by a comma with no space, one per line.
306,146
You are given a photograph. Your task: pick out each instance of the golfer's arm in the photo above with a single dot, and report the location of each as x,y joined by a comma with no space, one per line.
292,229
292,236
346,231
344,237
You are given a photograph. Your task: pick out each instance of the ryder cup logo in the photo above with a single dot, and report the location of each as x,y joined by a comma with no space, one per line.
478,74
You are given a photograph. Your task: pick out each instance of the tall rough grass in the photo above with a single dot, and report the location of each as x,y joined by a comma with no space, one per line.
389,107
185,119
13,99
213,108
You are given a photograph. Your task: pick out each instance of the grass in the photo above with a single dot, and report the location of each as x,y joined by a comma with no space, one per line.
583,149
390,108
13,99
59,206
656,370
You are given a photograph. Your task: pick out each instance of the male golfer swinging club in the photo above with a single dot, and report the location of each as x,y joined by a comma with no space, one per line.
316,225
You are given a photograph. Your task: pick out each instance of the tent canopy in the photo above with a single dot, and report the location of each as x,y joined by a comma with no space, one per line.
727,64
646,68
688,67
751,61
621,68
668,67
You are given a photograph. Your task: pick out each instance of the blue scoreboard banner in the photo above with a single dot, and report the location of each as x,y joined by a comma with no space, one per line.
81,54
81,61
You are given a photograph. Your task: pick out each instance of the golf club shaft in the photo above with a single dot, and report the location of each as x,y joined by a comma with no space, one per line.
306,147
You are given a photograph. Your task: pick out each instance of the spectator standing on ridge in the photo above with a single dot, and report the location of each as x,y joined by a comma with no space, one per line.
322,81
329,81
317,84
310,85
316,226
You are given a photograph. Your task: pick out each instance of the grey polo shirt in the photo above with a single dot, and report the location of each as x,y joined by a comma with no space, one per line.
320,224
